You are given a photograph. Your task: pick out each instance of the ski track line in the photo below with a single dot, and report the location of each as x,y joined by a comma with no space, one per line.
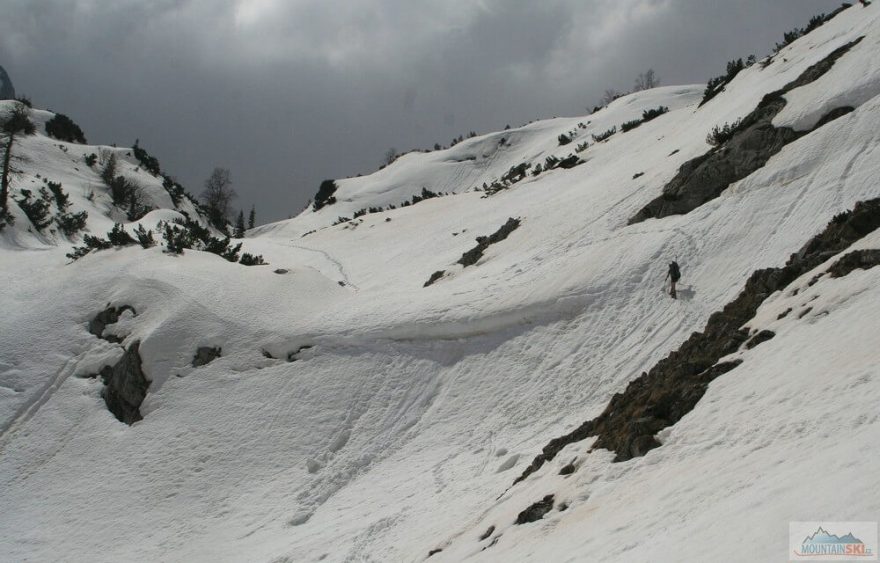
489,163
457,178
330,259
359,551
481,169
850,165
575,237
322,487
30,408
60,442
571,239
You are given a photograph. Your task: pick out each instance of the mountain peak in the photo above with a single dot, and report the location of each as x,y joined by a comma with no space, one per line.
7,91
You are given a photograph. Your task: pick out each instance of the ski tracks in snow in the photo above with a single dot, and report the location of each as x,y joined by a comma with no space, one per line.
391,406
336,263
865,152
30,408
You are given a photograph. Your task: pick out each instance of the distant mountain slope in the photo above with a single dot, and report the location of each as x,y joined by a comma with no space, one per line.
7,90
478,162
41,161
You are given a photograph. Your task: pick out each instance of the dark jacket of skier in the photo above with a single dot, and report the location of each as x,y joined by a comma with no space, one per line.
674,274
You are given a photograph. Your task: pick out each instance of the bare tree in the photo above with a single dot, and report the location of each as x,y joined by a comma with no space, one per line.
646,81
390,156
610,95
103,156
217,197
16,124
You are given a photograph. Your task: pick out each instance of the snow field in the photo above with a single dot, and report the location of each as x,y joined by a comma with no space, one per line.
417,407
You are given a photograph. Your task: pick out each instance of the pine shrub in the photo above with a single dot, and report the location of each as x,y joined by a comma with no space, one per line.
36,208
721,134
118,236
630,125
90,243
150,163
63,128
176,239
144,237
175,190
71,223
604,135
221,247
61,198
251,260
650,114
325,194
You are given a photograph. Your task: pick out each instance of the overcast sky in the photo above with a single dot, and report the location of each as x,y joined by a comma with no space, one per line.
286,93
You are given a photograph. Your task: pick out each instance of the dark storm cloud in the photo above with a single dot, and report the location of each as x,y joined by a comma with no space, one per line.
288,92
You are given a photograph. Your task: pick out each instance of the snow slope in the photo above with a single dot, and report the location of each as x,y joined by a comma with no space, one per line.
43,159
402,427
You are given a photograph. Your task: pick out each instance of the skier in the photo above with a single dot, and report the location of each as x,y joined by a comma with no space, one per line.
865,2
674,274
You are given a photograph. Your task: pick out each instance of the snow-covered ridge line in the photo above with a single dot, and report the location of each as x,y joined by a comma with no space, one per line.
486,158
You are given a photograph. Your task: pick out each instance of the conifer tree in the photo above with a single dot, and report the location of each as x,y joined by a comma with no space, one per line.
16,124
239,225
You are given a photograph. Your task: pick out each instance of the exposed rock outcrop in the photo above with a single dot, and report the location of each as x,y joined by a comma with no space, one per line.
434,277
760,338
855,260
536,511
205,355
568,469
108,316
672,388
126,386
753,142
473,255
294,356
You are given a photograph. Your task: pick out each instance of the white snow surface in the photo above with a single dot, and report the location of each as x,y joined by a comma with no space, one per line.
402,427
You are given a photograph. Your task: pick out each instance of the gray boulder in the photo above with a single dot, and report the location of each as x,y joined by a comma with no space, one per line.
205,355
126,386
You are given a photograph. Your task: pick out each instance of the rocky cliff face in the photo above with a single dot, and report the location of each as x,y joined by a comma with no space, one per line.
7,91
